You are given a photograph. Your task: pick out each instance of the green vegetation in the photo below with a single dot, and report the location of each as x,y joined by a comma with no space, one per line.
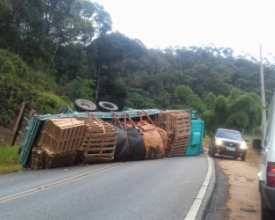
20,83
251,137
9,159
53,52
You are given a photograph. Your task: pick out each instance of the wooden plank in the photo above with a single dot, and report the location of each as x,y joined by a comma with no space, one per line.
18,123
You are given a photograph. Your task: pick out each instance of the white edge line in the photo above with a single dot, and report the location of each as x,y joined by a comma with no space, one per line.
193,211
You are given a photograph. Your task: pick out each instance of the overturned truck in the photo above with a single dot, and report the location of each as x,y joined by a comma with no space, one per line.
74,137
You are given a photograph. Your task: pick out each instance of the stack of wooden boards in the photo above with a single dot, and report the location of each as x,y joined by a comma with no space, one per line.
68,141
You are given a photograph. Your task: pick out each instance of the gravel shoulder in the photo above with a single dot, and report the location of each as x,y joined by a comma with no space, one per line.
239,197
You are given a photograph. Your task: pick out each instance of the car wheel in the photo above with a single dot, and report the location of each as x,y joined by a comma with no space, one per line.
107,106
243,156
212,151
266,213
83,105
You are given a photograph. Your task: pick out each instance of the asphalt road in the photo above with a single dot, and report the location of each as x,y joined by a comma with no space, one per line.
150,189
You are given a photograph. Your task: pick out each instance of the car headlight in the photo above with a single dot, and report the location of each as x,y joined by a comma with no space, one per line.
218,142
243,145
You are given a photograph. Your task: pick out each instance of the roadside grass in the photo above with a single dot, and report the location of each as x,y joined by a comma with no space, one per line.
9,159
250,138
253,156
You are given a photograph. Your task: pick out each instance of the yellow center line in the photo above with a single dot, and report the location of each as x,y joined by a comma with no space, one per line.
51,185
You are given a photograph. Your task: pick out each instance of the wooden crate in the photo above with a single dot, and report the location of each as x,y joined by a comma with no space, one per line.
62,135
179,146
99,142
181,126
53,160
106,155
177,125
38,158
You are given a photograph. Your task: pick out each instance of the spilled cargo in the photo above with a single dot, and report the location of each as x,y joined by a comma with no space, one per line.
70,137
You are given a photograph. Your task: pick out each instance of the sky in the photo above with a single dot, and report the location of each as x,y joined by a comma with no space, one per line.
242,25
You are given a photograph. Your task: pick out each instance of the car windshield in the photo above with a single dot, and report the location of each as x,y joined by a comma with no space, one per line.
229,134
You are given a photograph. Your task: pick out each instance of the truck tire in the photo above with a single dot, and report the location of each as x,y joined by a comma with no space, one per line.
107,106
84,105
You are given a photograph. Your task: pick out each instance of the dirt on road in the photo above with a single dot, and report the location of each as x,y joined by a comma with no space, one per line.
243,202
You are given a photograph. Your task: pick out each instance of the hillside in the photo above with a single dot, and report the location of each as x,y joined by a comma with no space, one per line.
63,56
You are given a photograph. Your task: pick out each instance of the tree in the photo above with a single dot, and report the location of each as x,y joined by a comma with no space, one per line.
139,99
237,121
209,101
196,103
192,100
183,92
221,110
5,13
71,62
69,23
102,51
110,53
209,121
102,19
234,95
79,88
250,104
37,29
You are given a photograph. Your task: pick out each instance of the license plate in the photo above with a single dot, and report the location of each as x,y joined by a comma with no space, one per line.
230,148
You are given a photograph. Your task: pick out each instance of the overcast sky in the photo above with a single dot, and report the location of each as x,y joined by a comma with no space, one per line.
239,24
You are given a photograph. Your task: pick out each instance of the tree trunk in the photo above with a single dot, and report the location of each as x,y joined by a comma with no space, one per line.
57,46
97,85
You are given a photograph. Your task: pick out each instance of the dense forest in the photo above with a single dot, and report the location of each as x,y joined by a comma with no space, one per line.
55,51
